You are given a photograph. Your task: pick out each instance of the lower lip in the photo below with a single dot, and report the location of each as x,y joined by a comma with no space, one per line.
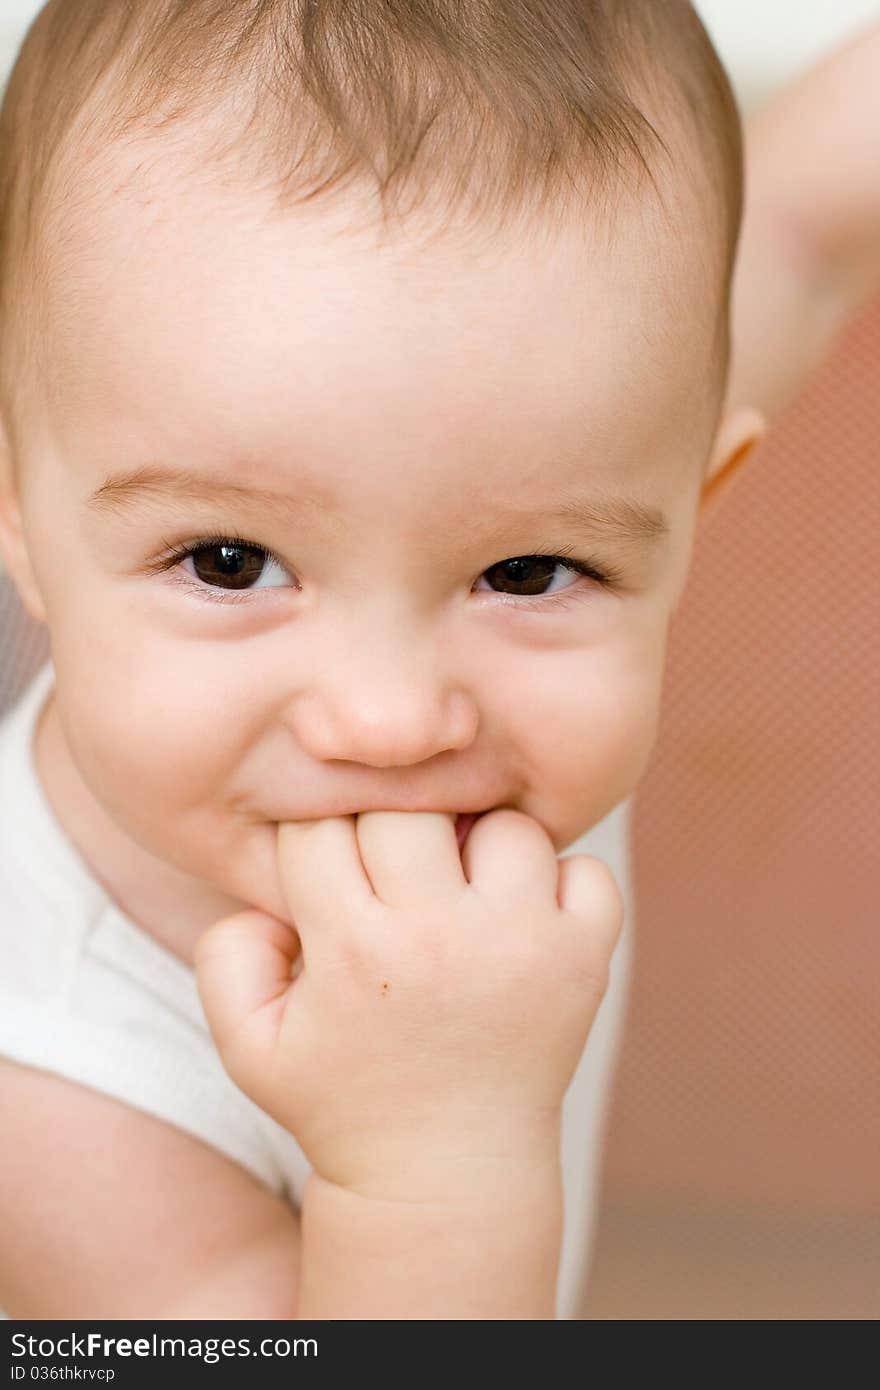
463,824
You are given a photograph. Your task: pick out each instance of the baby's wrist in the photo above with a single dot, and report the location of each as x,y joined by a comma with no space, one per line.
476,1250
464,1171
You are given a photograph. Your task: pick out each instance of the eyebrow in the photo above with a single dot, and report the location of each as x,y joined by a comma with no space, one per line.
615,518
153,481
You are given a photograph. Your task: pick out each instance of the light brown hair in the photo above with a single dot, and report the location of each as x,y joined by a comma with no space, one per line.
498,107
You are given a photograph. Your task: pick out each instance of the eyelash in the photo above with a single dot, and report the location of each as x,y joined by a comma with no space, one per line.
607,576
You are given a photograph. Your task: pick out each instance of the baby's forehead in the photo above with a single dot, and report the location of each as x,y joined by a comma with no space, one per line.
162,275
130,191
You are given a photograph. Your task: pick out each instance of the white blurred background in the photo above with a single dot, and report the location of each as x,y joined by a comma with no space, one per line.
765,43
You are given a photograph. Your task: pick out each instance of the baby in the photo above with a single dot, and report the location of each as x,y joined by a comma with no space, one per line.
349,521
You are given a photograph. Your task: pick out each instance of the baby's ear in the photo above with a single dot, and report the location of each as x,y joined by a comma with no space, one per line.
14,557
737,435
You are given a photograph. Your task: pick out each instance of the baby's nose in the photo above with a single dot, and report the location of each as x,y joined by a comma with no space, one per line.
382,717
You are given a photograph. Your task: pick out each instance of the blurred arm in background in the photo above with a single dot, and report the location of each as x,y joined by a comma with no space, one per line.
809,254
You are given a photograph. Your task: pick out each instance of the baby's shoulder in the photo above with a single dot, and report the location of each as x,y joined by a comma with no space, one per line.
108,1211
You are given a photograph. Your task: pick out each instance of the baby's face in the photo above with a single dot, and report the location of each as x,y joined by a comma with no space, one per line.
385,435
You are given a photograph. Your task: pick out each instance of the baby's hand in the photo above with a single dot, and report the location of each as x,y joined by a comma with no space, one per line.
432,1022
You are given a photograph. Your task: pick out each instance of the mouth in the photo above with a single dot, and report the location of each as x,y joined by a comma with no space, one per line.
464,823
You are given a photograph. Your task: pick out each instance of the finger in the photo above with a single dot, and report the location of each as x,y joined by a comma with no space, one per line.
589,891
508,856
321,874
244,968
411,857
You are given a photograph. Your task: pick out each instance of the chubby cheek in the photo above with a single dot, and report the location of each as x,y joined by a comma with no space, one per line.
159,753
588,750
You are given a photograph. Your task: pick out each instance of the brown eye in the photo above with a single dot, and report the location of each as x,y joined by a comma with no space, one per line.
526,575
223,568
229,565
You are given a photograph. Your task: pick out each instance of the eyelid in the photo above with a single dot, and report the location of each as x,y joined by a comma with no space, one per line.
607,575
175,553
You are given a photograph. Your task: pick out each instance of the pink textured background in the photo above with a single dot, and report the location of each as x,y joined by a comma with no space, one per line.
750,1077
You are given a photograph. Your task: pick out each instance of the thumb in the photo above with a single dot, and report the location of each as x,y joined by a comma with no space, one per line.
245,965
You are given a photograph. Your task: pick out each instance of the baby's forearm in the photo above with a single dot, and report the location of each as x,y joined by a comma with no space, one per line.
809,252
483,1253
823,133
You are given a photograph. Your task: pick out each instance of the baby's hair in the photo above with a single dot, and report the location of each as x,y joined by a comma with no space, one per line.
495,109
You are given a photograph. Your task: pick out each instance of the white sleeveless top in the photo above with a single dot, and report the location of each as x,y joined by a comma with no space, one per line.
89,995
